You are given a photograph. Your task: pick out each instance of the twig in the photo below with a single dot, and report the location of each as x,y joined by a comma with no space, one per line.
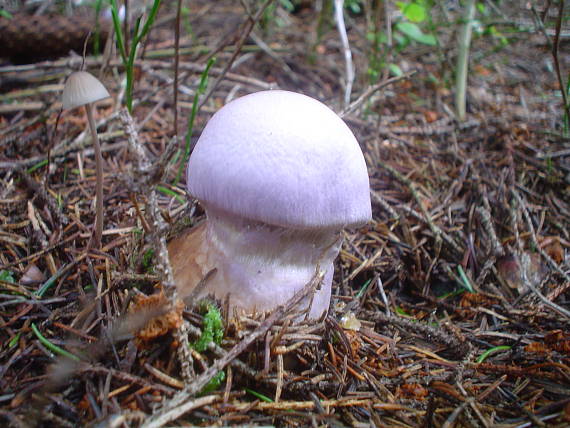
248,28
383,295
43,195
555,49
432,333
145,175
552,263
437,232
176,412
371,90
463,60
348,66
124,376
377,198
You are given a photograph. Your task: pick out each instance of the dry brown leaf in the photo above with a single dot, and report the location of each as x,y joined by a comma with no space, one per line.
551,245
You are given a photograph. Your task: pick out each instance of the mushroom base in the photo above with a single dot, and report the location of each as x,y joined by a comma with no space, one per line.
260,266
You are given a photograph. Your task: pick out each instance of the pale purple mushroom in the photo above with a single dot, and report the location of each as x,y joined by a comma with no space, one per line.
279,175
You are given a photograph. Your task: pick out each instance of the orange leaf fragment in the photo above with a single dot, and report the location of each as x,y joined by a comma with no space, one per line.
413,391
475,299
556,340
430,116
551,245
160,319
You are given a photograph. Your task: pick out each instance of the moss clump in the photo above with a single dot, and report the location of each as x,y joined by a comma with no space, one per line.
213,328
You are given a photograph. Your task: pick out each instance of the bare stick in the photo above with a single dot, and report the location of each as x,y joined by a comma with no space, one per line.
463,60
248,28
176,412
145,177
371,90
555,48
543,253
349,68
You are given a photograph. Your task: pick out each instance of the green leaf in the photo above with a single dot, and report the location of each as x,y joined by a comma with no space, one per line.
414,12
415,33
287,5
482,8
214,383
395,70
6,14
147,259
6,275
14,341
37,166
353,6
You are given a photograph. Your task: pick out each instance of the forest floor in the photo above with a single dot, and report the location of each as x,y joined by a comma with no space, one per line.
450,308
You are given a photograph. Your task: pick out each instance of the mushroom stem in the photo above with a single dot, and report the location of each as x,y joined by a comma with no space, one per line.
259,265
99,178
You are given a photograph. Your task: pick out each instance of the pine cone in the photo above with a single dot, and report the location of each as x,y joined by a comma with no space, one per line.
28,38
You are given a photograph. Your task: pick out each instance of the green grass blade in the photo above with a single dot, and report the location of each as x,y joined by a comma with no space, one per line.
54,348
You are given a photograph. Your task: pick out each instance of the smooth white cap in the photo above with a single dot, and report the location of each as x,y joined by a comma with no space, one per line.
82,88
284,159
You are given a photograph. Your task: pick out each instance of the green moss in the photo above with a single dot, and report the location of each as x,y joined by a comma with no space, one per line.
212,331
213,328
214,383
6,275
147,259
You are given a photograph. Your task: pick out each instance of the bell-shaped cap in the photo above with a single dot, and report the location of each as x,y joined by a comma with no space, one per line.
284,159
82,88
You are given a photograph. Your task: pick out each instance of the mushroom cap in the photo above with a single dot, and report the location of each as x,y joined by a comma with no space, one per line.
284,159
82,88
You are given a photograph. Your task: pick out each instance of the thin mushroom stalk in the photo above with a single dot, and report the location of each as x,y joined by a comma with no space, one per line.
82,88
99,177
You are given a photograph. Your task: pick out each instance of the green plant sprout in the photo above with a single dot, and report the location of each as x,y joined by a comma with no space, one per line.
199,91
494,350
259,395
139,34
14,341
270,19
186,22
465,282
168,192
37,166
147,259
406,30
97,33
